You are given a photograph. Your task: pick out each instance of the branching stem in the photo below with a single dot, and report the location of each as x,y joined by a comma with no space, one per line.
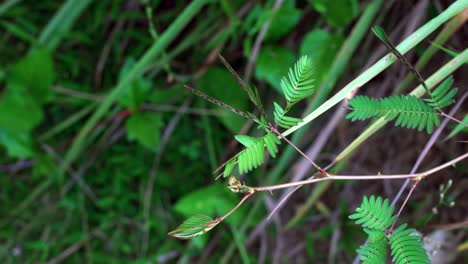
416,176
246,196
297,149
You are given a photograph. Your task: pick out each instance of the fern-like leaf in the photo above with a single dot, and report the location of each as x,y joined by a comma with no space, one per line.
246,140
229,167
251,157
442,95
282,120
407,247
374,214
254,153
411,111
299,83
271,142
375,250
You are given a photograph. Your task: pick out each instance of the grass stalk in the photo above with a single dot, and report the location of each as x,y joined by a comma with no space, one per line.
451,27
62,22
416,176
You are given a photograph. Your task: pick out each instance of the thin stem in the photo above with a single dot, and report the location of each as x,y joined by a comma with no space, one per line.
298,150
246,196
449,29
417,176
429,144
404,204
454,119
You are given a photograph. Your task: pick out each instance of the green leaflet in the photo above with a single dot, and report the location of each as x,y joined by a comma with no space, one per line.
299,83
246,140
194,226
296,86
407,247
229,168
375,215
442,95
375,251
251,157
271,143
254,153
282,120
409,111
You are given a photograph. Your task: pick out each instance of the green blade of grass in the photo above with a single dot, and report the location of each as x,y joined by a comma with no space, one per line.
449,29
62,22
7,5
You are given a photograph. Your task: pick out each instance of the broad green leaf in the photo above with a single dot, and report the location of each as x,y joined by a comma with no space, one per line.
246,140
18,145
254,20
33,76
283,21
459,127
137,92
272,64
44,165
220,84
214,200
19,112
145,127
321,46
339,13
194,226
18,31
162,96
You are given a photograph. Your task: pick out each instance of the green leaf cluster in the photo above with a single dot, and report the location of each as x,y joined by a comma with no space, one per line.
376,216
408,110
254,153
338,13
142,127
298,85
28,88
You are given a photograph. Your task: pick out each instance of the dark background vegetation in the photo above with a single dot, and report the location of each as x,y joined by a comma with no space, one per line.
148,162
